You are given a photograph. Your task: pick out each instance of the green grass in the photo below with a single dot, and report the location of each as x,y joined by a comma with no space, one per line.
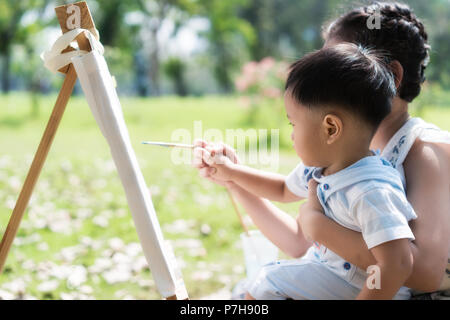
79,212
79,177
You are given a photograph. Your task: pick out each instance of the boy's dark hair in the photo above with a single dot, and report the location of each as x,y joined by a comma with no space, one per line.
345,76
400,34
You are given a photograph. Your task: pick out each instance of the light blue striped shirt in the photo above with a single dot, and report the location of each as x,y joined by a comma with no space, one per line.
366,197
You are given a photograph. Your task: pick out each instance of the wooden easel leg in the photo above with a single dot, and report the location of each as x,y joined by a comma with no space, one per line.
37,164
180,294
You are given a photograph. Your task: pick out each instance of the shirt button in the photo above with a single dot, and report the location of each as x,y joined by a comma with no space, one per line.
347,266
326,186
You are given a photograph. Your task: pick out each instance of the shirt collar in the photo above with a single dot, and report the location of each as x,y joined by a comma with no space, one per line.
367,168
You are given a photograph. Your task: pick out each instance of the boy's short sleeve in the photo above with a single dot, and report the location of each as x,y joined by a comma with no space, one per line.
297,180
383,215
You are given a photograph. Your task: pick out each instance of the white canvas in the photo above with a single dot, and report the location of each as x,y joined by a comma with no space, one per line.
102,98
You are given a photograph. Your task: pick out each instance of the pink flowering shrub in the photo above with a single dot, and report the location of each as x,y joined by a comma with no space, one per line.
261,80
261,88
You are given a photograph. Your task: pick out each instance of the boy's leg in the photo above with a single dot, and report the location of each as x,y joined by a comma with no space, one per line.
248,296
300,279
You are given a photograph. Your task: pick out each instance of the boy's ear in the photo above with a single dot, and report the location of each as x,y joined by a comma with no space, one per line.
333,127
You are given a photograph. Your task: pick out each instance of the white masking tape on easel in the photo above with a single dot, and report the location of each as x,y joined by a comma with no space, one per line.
54,59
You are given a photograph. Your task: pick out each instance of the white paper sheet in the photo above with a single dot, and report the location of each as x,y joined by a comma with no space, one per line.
102,98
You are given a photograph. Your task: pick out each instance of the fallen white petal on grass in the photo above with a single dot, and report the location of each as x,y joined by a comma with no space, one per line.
61,272
154,190
205,229
139,264
10,202
43,246
117,275
145,283
15,183
66,165
35,237
77,277
201,275
75,296
100,265
203,200
48,286
187,243
100,221
133,249
84,213
116,244
120,258
86,289
180,226
16,286
5,295
90,243
69,254
60,222
28,264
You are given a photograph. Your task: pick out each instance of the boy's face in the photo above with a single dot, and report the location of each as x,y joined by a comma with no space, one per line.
307,133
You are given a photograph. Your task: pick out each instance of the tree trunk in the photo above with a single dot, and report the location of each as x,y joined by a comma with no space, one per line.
154,64
6,77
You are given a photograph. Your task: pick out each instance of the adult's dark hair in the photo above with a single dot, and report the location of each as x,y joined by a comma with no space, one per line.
345,76
401,34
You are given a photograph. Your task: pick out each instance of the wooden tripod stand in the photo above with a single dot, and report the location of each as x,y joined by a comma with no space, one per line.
70,17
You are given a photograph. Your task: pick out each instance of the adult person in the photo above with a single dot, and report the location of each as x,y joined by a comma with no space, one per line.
420,151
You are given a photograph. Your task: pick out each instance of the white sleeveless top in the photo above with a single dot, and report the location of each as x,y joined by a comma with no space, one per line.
398,148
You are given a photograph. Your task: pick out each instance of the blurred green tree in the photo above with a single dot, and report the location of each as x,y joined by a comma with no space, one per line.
11,14
229,36
34,68
156,11
175,68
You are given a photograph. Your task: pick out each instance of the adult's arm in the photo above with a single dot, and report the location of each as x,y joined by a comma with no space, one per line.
427,185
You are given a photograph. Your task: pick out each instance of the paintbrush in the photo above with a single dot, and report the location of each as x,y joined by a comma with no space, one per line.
169,144
182,145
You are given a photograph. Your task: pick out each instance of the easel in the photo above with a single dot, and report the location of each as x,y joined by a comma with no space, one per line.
65,17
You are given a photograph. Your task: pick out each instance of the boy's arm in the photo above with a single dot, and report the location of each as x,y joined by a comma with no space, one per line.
268,185
278,226
395,263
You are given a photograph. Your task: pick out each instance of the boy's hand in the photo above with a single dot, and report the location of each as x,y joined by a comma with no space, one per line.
207,171
221,166
309,210
313,201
